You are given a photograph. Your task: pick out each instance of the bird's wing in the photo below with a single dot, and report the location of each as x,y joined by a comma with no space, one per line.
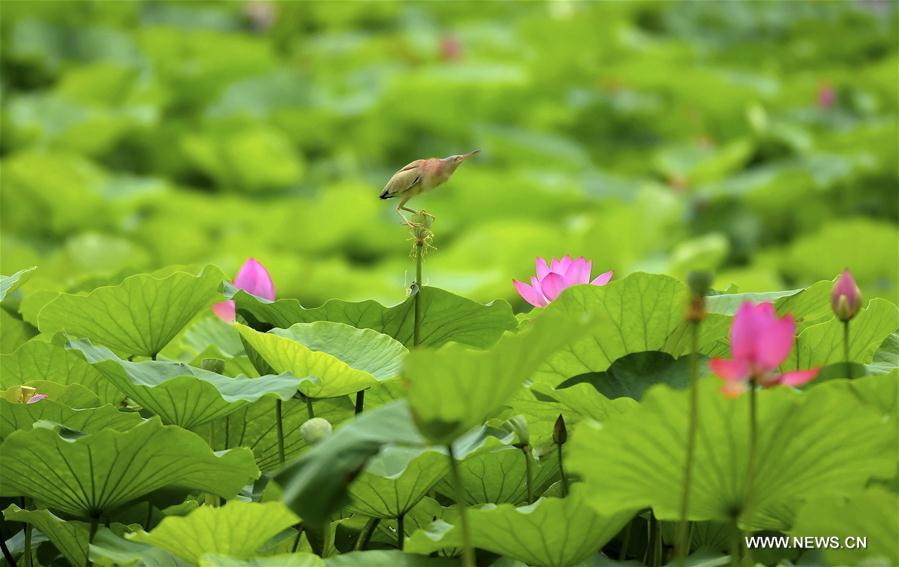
404,179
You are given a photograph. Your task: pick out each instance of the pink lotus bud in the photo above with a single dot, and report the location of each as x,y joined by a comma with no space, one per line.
252,278
845,298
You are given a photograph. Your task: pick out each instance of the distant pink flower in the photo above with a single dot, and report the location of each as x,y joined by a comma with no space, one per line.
827,96
252,278
553,279
845,297
36,398
760,342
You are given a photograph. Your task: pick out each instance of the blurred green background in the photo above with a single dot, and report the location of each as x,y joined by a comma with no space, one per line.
758,140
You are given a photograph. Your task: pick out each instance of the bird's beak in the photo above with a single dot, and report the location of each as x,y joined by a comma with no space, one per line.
472,153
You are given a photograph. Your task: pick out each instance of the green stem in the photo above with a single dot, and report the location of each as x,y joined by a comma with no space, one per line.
326,539
149,518
467,549
280,425
529,479
95,522
562,471
683,528
654,552
227,431
29,559
310,413
753,445
360,401
846,350
626,541
416,332
7,554
366,533
400,531
735,545
296,539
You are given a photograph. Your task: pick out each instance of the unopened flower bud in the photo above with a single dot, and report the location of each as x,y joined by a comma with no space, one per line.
519,426
25,393
845,298
699,282
315,430
560,433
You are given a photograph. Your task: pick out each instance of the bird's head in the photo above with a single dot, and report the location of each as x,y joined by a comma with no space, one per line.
454,161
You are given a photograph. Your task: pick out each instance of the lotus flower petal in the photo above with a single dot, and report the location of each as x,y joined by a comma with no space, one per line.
225,311
602,279
542,268
799,377
254,278
774,342
36,398
578,272
531,294
731,370
552,285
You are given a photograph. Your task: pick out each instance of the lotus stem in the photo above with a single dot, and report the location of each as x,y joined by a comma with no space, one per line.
280,425
467,549
227,431
400,531
846,349
529,479
366,533
562,471
416,329
683,528
7,555
753,443
654,551
149,517
296,539
310,412
95,522
625,541
360,401
29,559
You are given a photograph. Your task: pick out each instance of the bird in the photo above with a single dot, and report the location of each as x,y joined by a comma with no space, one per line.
420,176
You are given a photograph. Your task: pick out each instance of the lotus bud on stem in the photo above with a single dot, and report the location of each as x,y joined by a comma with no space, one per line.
699,284
560,436
846,301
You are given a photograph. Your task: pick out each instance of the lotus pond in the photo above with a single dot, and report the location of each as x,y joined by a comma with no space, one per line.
653,322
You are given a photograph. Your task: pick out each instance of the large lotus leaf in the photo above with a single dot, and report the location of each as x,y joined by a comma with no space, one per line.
42,360
181,394
552,532
236,529
137,317
455,388
316,484
74,396
8,284
586,401
886,359
341,358
255,427
870,514
112,550
385,557
714,337
70,537
822,344
500,476
808,306
396,479
444,317
13,332
631,375
285,560
634,314
14,417
817,442
86,474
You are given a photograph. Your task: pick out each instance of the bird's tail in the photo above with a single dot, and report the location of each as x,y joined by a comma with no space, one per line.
385,195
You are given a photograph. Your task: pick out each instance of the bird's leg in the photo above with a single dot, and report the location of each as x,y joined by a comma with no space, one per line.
402,207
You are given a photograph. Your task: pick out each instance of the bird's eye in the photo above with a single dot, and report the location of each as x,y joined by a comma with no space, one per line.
458,158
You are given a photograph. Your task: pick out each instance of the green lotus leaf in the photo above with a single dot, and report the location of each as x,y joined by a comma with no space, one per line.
383,558
140,316
74,396
14,332
870,514
70,537
499,475
552,532
87,474
341,358
43,360
316,484
631,375
444,317
16,417
822,344
586,401
395,480
886,359
214,530
9,284
285,560
181,394
819,441
637,314
447,390
109,549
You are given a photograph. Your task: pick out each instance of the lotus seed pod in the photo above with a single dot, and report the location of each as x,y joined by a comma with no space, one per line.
315,430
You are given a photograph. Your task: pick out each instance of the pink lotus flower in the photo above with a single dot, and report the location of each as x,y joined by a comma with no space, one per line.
760,342
846,298
36,398
253,278
559,275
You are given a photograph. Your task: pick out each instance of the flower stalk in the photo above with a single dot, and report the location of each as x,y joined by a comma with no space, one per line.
366,533
422,235
467,549
280,425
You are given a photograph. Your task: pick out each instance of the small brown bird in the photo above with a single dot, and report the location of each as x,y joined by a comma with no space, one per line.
419,176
